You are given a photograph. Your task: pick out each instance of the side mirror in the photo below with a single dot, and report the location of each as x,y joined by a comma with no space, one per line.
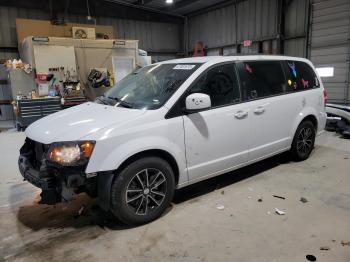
197,101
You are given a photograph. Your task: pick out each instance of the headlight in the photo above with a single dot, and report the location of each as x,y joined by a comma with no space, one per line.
71,153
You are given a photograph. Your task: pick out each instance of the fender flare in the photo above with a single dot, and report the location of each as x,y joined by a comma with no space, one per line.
306,112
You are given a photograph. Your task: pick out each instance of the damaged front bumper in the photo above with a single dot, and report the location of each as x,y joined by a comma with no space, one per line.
58,183
33,176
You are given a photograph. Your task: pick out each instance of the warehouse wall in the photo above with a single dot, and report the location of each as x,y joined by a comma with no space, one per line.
163,39
316,29
215,29
330,45
256,20
296,28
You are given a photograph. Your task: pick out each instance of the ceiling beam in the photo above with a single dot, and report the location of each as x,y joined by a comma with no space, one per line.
98,8
142,2
214,7
145,8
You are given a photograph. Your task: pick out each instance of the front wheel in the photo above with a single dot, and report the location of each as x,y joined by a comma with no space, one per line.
142,191
303,141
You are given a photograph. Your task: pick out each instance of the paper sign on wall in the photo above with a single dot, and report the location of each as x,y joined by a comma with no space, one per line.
247,43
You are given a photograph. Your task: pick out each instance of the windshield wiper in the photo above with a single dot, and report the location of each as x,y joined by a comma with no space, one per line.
121,102
101,99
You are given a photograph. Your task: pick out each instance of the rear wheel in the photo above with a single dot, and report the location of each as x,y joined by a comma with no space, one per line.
19,127
142,191
303,141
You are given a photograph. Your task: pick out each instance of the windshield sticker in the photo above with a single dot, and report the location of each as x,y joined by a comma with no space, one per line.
184,67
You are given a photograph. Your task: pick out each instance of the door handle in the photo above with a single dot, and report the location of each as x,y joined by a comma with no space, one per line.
259,110
241,114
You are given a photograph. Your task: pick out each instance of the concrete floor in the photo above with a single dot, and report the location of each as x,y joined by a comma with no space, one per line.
193,229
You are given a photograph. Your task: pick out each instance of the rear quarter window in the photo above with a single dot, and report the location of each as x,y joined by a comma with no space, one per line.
300,76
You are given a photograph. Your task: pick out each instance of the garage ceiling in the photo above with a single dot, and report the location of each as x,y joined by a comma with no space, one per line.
146,10
179,7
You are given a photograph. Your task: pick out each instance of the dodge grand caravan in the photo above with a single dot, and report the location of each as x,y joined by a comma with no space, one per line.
172,124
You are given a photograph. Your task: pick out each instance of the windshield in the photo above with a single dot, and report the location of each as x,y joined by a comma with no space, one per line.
149,87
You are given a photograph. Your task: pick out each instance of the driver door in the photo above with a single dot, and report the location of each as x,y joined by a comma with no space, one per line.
216,139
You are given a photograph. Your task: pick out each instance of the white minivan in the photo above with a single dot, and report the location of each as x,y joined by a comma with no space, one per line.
172,124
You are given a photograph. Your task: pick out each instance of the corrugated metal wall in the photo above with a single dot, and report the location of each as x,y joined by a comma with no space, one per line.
215,29
330,45
6,109
8,54
161,38
256,20
296,26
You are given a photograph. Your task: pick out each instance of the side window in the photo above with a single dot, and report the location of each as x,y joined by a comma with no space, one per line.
220,83
301,76
261,79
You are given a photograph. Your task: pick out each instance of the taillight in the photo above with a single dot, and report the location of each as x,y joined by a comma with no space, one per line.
325,97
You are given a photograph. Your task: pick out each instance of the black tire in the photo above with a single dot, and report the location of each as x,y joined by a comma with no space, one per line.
303,141
18,127
149,206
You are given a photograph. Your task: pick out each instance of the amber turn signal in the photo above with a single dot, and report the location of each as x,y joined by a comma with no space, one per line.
87,148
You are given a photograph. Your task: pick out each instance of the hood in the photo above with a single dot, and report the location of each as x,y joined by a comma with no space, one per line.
79,121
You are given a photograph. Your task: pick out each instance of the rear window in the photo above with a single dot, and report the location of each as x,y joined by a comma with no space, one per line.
300,76
261,79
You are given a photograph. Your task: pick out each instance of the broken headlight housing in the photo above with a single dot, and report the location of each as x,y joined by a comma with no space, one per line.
71,153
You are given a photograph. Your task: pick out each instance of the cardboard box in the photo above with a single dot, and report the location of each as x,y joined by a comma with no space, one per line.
83,32
31,27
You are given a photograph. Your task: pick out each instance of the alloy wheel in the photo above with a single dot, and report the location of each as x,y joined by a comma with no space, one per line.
304,141
146,191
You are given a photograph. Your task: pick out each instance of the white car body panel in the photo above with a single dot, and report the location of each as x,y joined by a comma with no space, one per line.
212,147
203,144
79,121
115,145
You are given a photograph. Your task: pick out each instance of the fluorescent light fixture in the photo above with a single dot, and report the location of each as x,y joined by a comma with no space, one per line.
169,1
325,71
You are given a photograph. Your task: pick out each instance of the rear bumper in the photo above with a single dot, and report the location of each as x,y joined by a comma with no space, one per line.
33,176
322,120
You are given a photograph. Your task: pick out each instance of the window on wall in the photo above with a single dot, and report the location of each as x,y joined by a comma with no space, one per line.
220,83
325,71
261,79
301,76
